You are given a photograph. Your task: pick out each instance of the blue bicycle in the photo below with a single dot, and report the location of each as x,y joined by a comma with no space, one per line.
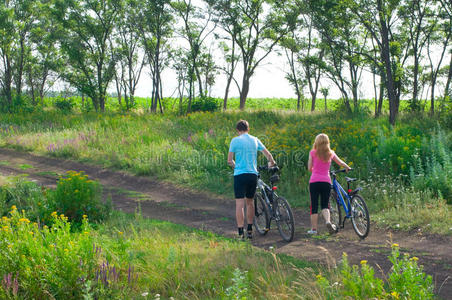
353,204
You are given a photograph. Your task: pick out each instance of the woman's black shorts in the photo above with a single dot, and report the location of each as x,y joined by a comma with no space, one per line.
245,185
322,190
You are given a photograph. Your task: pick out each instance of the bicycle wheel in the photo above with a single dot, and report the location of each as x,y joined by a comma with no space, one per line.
360,216
284,219
335,210
261,219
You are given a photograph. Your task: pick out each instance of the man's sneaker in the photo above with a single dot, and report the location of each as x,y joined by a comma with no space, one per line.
312,231
331,227
249,234
241,237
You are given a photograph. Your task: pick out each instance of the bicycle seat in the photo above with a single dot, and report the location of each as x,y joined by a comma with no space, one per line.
350,179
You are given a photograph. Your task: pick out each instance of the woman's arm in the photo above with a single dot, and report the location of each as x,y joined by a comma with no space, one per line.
310,163
340,162
231,161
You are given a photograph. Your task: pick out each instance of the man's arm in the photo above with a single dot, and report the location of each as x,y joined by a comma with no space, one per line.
268,155
231,161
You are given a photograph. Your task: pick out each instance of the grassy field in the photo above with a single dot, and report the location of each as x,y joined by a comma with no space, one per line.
402,168
129,257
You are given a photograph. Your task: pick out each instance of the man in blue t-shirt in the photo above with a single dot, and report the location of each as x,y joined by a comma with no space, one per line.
245,147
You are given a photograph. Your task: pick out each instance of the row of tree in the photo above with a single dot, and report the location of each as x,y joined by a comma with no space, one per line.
95,44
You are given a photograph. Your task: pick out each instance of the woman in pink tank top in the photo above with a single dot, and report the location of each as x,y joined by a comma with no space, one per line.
319,164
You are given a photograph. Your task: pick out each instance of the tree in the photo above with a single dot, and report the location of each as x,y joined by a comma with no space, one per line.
155,26
378,19
416,26
44,62
86,28
343,43
258,25
17,19
197,26
446,14
325,91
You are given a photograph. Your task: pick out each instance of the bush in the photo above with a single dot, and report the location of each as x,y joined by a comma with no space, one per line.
406,281
64,105
43,263
76,196
205,104
25,195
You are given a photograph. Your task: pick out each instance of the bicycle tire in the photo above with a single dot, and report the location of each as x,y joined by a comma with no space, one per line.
335,210
360,216
261,219
284,219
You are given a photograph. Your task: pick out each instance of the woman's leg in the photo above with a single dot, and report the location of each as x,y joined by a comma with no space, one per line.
314,195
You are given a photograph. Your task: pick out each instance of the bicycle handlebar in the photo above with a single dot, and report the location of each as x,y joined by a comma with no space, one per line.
273,169
334,172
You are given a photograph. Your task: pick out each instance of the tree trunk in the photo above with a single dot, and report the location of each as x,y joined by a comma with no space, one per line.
244,91
393,105
325,105
226,93
447,91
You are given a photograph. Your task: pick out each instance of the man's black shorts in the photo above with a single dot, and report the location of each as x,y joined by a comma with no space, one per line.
245,185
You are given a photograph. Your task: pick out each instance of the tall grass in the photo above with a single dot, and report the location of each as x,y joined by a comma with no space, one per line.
129,257
191,150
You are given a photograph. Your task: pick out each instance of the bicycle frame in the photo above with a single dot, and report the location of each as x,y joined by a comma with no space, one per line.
339,192
261,185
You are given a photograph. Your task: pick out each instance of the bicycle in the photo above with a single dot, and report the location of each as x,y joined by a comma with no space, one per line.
269,206
354,206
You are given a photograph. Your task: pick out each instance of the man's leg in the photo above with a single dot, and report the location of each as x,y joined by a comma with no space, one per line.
249,214
240,214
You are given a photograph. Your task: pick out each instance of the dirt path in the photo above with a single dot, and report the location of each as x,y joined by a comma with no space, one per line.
165,201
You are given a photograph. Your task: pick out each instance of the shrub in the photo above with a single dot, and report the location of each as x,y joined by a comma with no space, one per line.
205,103
25,195
76,195
44,263
64,105
406,281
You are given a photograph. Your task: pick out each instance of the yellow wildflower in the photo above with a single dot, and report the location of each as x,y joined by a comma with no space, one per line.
25,220
13,207
395,295
84,216
395,245
414,258
363,262
54,214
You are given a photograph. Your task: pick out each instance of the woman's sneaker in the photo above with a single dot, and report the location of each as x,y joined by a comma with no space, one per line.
331,227
312,231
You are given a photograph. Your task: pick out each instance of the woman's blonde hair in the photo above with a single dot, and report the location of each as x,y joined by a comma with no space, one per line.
322,147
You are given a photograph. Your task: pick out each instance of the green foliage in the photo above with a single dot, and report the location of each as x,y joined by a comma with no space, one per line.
205,104
77,196
194,151
25,195
44,261
240,286
65,105
406,280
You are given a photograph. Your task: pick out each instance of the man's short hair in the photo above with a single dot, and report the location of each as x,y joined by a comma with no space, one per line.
242,125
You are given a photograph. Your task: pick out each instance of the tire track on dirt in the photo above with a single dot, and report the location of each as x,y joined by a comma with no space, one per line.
166,201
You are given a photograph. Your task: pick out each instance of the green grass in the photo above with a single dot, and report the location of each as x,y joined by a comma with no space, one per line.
25,167
129,257
191,150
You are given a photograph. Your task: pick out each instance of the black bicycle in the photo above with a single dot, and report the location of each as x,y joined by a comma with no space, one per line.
269,206
353,204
